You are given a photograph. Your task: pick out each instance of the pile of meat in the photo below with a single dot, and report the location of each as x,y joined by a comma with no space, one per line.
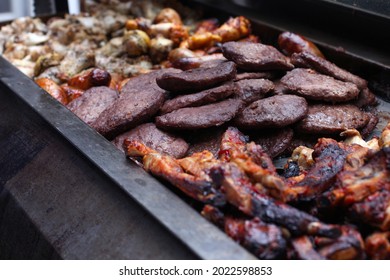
332,202
207,107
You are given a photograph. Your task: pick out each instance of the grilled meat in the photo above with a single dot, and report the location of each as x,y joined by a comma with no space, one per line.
378,245
314,86
255,56
310,60
291,43
272,112
250,90
264,240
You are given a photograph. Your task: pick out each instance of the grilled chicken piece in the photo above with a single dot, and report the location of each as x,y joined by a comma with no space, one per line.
348,246
264,240
168,168
355,185
240,192
303,249
384,140
378,245
373,210
329,159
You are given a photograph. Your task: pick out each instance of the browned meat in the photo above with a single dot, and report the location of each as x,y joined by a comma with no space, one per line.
254,75
365,98
208,139
197,79
355,185
348,246
139,101
291,43
251,90
303,249
378,245
53,89
274,142
255,57
331,119
151,136
92,103
90,78
309,60
329,159
239,192
264,240
214,114
373,210
168,168
373,120
311,85
198,99
274,111
279,88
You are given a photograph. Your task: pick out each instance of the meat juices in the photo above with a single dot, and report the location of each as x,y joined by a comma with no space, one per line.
198,79
255,56
139,101
92,103
154,138
271,112
200,98
309,60
332,119
214,114
312,85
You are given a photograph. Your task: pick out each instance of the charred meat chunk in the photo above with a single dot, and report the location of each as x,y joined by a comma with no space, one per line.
309,60
151,136
214,114
255,56
331,119
197,79
92,103
197,99
274,111
253,89
139,101
311,85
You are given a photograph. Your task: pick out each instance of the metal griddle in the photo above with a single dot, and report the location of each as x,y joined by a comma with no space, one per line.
66,192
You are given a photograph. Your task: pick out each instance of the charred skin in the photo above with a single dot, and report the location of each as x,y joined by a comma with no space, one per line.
239,191
303,249
168,168
264,240
355,185
373,210
378,245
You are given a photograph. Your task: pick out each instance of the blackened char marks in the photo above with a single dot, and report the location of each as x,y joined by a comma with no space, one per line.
214,114
309,60
139,101
253,89
159,140
332,119
311,85
274,111
255,57
92,103
197,99
198,79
